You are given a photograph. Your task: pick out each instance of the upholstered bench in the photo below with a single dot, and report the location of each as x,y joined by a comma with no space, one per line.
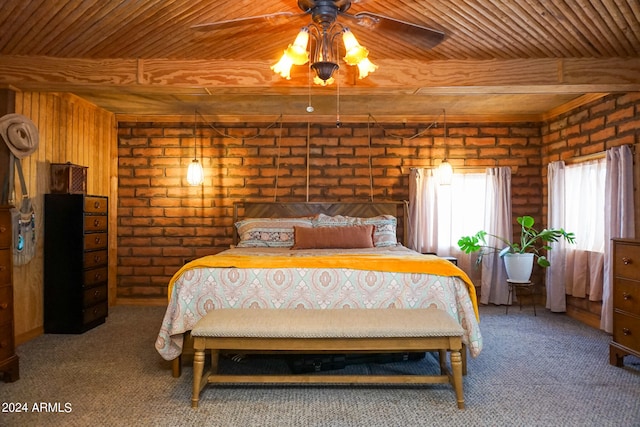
330,330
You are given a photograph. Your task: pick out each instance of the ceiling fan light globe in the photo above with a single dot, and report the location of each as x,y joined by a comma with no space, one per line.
355,55
366,67
283,67
296,55
349,39
297,51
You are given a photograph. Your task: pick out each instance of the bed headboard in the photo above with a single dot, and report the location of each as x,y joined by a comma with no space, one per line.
248,209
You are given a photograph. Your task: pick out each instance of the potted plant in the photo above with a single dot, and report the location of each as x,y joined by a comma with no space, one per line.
532,243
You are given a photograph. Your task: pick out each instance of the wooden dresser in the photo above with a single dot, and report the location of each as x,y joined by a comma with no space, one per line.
75,262
626,300
9,365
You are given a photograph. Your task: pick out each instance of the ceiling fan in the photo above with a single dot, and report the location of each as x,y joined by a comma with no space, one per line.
321,35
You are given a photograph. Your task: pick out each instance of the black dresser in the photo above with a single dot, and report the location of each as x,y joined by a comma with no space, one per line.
75,262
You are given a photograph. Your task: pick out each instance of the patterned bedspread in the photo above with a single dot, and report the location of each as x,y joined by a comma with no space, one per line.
199,289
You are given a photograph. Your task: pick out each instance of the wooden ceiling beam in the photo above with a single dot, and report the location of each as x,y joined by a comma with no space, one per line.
58,74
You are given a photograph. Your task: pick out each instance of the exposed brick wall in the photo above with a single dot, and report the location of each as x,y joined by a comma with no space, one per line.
162,221
593,128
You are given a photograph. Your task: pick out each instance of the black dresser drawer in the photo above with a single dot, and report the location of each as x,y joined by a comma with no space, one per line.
95,295
94,276
94,204
95,258
96,312
95,223
95,241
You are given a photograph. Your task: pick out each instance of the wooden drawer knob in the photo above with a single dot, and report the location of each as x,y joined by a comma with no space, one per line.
4,306
626,296
97,258
96,205
626,331
3,229
96,293
3,267
626,261
98,240
97,276
96,222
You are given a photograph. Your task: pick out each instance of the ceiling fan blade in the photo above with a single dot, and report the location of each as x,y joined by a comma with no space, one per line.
425,38
270,18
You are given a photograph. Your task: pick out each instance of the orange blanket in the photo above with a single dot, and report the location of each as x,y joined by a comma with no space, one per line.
425,264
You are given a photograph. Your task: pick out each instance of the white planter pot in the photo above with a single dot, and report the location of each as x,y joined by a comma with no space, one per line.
518,266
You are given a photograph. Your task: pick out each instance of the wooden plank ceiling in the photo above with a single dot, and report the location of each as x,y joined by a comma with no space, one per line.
500,60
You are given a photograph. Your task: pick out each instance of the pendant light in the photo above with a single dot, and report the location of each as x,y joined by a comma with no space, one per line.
195,173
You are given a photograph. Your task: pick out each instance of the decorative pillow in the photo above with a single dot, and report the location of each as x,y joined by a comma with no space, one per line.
348,237
384,233
269,232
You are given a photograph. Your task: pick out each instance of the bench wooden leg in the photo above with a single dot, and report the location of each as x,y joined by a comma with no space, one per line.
463,356
442,358
463,353
176,367
198,369
215,357
456,367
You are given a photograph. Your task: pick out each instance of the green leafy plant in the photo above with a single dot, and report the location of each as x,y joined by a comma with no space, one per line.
531,241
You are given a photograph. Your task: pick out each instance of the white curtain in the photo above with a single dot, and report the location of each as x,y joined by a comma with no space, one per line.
619,219
585,191
498,221
604,188
555,275
423,211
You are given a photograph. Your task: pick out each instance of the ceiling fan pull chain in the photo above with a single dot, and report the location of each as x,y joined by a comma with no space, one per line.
338,123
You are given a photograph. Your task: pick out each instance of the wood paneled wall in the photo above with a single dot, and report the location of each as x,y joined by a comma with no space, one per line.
70,130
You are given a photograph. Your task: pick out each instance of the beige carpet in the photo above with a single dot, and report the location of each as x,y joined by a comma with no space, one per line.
547,370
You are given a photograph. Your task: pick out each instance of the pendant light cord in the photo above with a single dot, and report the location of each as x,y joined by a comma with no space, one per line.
370,167
308,155
195,120
444,114
275,191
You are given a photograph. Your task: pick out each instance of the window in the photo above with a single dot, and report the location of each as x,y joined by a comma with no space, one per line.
579,207
465,194
441,214
584,203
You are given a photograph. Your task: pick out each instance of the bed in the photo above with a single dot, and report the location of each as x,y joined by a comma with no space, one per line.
301,255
